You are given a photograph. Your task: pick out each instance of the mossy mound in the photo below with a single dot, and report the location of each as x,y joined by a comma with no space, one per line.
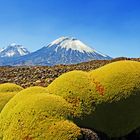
7,91
107,98
63,130
31,117
9,87
76,87
117,111
23,94
4,98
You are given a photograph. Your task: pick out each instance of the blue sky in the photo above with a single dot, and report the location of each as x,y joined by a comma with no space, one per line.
110,26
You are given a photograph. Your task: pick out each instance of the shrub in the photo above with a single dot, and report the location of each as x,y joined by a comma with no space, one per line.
7,91
32,112
23,94
4,98
9,87
63,130
76,87
106,99
117,110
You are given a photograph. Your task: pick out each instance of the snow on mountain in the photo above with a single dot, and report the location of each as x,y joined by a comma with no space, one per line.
64,50
1,49
13,50
71,43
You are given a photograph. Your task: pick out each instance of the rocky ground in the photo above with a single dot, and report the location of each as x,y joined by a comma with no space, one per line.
43,75
91,135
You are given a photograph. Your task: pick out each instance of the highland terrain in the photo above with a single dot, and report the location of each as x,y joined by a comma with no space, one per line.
95,100
70,70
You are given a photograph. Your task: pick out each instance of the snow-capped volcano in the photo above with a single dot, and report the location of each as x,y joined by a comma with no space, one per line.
64,50
71,43
13,50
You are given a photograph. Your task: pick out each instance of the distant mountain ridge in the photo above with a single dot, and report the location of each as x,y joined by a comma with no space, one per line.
64,50
13,50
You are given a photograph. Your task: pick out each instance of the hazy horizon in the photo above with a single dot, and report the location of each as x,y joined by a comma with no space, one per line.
111,26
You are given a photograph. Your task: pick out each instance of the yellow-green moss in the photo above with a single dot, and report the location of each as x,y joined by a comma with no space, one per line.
26,93
4,98
7,91
106,99
63,130
77,88
31,113
117,111
9,87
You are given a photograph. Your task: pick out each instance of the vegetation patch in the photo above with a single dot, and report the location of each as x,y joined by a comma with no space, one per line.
9,87
7,91
105,99
76,87
32,113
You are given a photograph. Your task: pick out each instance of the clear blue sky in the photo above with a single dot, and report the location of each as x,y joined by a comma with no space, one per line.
110,26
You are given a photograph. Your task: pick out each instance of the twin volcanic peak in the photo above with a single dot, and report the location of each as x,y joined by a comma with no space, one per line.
64,50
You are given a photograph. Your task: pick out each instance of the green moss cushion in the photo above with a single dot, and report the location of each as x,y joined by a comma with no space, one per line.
32,112
106,99
7,91
4,98
63,130
76,87
9,87
22,95
117,111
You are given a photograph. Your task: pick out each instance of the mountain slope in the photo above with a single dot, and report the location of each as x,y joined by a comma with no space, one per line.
61,51
13,50
64,50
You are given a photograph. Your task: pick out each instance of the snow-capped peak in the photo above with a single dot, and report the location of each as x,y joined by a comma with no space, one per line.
13,50
1,49
13,44
71,43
